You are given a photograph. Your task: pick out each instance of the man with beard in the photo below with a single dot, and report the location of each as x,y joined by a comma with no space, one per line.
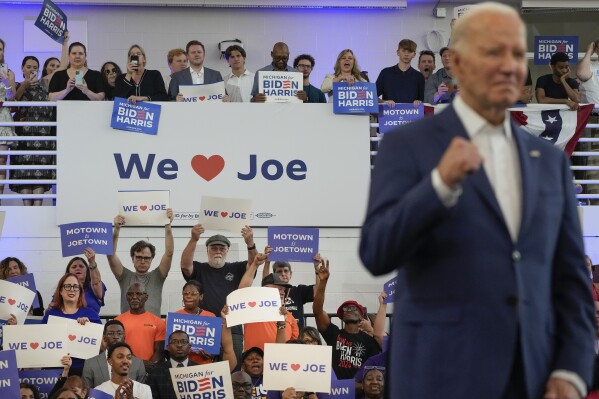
351,347
146,331
558,87
96,369
120,386
196,74
159,377
242,385
218,277
280,57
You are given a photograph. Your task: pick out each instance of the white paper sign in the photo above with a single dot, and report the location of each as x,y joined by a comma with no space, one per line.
280,86
207,381
203,93
229,214
37,345
254,304
15,299
304,367
144,208
83,341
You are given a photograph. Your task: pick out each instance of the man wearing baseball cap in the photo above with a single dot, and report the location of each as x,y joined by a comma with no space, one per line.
217,277
351,347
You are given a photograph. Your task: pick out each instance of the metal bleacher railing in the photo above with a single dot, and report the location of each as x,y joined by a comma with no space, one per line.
588,170
8,153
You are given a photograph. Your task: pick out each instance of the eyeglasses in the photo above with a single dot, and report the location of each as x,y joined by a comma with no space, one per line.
109,71
245,385
191,293
71,287
143,258
115,333
178,342
304,66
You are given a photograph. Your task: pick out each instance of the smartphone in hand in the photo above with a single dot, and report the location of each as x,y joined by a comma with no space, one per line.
135,61
4,70
78,78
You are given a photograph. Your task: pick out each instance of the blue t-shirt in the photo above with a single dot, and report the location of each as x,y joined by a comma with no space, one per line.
92,302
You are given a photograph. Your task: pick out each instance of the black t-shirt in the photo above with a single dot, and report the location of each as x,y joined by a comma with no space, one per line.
555,90
296,298
217,283
93,80
349,350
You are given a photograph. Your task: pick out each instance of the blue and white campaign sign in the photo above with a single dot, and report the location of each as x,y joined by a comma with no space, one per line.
41,345
27,281
401,114
211,380
142,117
254,304
229,214
359,98
44,380
271,164
75,237
83,340
342,389
304,367
15,299
546,46
280,86
292,244
389,288
203,93
52,21
9,375
144,208
97,394
204,331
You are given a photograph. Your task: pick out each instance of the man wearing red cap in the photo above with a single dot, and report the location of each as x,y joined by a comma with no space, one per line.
351,347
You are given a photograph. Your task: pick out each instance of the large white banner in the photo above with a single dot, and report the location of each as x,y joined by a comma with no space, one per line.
298,163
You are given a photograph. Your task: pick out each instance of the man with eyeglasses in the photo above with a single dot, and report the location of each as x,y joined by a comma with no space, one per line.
159,377
351,347
145,331
217,277
96,369
242,385
142,253
305,64
280,57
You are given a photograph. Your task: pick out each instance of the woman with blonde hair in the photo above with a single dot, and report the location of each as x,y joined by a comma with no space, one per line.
347,70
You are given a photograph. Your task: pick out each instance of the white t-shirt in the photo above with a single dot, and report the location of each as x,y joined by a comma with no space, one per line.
589,90
140,391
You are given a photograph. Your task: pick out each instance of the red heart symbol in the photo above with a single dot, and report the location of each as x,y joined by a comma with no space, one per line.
295,366
34,345
207,168
224,214
252,304
72,337
143,207
202,98
12,301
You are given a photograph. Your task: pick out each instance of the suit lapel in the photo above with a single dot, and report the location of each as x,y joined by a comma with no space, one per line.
529,156
450,126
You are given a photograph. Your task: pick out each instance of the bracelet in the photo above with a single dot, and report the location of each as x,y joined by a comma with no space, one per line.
95,266
252,247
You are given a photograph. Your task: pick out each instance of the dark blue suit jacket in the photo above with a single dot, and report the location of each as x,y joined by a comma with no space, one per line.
465,289
184,78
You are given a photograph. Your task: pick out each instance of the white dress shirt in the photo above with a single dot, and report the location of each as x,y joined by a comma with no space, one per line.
239,88
197,77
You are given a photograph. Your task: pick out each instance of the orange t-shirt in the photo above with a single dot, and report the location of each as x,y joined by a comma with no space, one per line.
141,331
194,357
258,334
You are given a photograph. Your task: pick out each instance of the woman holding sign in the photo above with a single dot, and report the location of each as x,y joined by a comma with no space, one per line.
13,267
346,70
139,83
77,82
69,302
89,278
